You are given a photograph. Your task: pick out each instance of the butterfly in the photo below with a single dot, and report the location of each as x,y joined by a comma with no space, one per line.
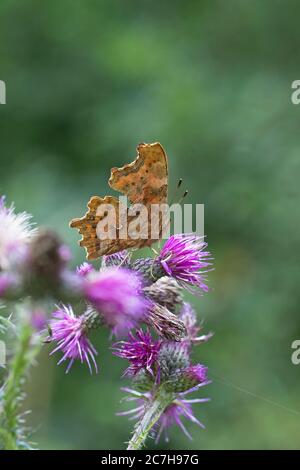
145,183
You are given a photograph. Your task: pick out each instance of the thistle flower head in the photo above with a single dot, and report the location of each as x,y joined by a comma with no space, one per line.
188,316
116,294
140,350
7,281
15,233
121,258
47,256
70,334
180,407
38,319
2,202
174,378
183,258
84,269
176,373
64,253
193,376
173,358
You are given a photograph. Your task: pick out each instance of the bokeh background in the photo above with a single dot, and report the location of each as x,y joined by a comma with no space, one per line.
211,80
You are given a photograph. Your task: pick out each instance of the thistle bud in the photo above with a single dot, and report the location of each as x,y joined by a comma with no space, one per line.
165,323
47,258
165,291
143,381
185,379
172,358
122,258
149,268
91,320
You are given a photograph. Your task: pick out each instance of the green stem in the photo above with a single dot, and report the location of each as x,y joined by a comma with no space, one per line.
25,352
152,414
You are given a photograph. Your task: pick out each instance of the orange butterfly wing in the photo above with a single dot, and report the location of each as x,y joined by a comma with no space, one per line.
146,179
143,181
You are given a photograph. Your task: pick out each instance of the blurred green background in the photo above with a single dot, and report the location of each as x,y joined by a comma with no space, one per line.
211,80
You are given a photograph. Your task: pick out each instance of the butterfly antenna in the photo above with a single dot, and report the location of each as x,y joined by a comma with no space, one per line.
175,193
183,196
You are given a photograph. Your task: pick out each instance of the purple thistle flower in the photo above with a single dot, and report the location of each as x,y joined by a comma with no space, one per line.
38,319
65,253
84,269
140,350
116,294
2,203
70,334
182,257
15,234
181,407
188,316
196,374
7,281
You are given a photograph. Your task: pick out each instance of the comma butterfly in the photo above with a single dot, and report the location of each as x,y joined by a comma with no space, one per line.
145,183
